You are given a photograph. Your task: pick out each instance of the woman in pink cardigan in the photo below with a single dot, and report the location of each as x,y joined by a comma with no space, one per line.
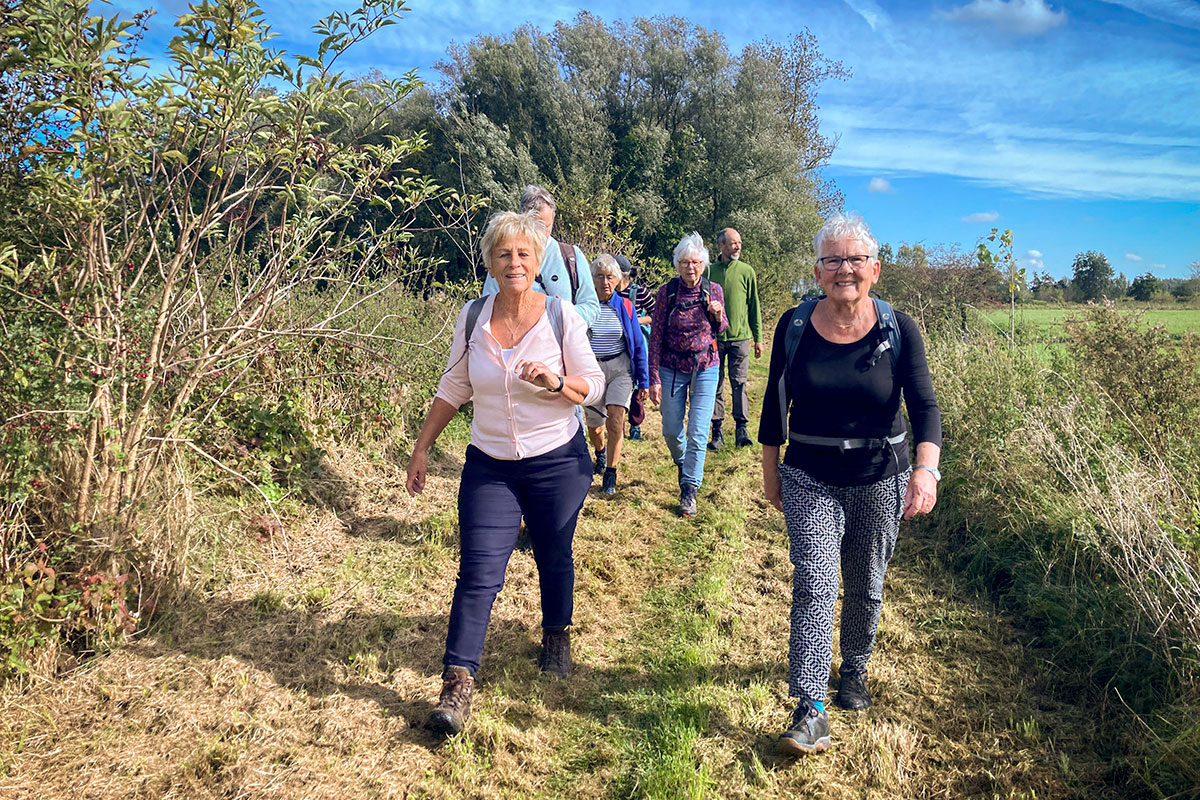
525,361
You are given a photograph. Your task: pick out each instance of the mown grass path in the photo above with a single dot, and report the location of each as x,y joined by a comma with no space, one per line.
308,672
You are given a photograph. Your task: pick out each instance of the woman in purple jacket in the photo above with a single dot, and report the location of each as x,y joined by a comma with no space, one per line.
617,341
689,312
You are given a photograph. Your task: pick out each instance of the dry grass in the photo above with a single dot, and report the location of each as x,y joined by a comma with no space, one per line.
307,672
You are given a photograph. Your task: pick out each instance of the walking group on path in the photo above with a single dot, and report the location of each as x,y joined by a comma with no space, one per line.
551,335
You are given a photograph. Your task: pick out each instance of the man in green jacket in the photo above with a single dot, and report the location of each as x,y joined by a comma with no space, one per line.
740,285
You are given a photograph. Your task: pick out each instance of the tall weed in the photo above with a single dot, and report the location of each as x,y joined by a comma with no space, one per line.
1075,515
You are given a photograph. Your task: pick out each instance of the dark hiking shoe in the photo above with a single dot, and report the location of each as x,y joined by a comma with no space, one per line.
454,706
635,433
809,731
716,439
741,437
556,653
601,461
853,694
610,482
679,470
687,501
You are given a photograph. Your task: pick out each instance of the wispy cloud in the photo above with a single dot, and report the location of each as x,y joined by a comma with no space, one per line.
1025,17
1133,257
1177,12
880,185
1031,260
982,216
871,11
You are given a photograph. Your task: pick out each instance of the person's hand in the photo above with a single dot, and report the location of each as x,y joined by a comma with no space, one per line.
656,394
643,394
538,374
417,466
773,488
921,495
758,349
715,308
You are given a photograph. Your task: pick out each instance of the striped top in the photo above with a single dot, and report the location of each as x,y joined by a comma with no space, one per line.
607,337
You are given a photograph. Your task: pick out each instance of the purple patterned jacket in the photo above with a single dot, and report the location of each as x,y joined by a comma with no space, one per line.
683,338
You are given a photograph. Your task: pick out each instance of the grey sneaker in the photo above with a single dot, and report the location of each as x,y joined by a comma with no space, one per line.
687,500
609,486
809,731
853,694
635,433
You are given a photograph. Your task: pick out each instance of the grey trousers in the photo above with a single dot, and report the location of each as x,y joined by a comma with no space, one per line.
737,354
854,527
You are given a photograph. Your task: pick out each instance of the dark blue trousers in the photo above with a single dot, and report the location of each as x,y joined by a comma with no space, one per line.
548,491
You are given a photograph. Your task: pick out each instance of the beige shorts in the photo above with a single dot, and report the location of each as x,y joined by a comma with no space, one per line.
618,390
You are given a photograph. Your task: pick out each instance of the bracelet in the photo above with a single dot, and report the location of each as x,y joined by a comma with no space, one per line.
561,383
937,475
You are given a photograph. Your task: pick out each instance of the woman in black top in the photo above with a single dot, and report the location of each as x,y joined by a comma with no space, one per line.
846,480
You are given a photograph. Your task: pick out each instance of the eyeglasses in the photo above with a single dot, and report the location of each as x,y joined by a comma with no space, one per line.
834,263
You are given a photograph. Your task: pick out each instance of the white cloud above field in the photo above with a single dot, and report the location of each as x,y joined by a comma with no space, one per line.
1133,257
880,186
982,216
1031,260
1025,17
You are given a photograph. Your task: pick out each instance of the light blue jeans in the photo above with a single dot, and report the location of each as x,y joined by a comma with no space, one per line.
678,389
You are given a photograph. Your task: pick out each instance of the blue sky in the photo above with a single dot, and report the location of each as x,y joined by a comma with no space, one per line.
1076,123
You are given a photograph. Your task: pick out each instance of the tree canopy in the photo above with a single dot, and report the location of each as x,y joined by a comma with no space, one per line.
1093,275
653,124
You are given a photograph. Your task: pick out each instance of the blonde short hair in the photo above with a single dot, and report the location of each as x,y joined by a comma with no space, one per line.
604,264
505,226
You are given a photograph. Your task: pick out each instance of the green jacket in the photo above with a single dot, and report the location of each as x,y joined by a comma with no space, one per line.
740,285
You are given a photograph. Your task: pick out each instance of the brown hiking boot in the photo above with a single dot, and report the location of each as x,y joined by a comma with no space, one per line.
556,653
454,706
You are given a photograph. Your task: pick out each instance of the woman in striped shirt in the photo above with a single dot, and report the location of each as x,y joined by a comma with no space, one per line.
619,347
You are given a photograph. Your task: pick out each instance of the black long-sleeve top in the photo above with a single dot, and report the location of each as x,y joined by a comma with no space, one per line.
831,394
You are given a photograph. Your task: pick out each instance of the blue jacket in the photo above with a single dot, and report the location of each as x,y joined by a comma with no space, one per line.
635,343
558,283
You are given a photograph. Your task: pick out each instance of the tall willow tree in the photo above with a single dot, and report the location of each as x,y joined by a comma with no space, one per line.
653,124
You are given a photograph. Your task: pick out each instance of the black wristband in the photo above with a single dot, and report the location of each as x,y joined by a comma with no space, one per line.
561,383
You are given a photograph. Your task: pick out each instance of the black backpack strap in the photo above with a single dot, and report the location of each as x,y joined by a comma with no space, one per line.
791,341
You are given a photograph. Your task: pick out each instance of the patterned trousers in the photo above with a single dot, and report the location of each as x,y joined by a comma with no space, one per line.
856,526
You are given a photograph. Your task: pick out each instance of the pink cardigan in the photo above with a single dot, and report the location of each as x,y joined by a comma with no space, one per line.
514,418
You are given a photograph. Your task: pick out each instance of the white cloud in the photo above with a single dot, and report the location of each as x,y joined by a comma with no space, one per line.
982,216
1031,17
1176,12
1133,257
871,12
1031,260
881,185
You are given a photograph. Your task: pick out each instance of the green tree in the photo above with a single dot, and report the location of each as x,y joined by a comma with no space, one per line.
652,124
1144,287
1092,275
160,242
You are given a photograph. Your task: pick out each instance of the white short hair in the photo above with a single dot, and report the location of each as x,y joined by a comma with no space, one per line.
690,245
604,264
845,226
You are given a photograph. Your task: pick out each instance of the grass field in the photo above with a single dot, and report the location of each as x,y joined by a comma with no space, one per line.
1047,322
305,668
